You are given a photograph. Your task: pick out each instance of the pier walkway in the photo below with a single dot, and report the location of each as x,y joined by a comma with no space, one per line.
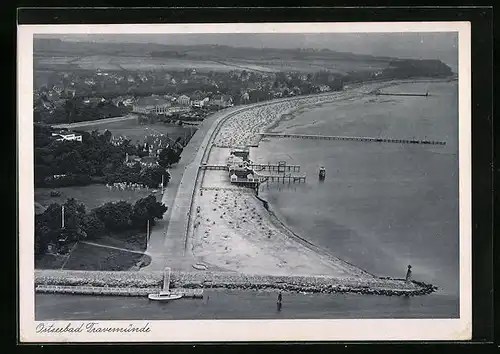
280,168
354,138
214,167
275,167
290,178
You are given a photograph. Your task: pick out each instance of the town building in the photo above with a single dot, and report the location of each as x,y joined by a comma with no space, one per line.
147,105
70,92
324,88
222,101
67,136
243,153
241,174
200,102
177,110
57,89
183,100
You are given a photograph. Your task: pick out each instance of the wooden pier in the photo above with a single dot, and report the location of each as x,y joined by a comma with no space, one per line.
354,138
281,178
214,167
279,167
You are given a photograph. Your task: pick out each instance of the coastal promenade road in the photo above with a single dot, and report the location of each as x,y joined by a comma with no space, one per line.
95,122
167,239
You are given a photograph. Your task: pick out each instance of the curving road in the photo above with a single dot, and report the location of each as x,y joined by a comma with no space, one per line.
95,122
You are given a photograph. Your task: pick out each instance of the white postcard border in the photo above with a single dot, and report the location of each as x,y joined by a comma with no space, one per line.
242,330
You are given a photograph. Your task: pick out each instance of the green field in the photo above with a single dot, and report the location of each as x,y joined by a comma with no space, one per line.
138,132
85,256
89,257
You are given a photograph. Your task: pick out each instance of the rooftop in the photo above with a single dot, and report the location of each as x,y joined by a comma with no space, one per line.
151,101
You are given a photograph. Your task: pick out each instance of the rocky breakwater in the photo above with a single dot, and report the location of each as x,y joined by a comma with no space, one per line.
225,280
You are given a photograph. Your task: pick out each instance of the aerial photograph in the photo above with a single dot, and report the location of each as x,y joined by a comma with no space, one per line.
246,176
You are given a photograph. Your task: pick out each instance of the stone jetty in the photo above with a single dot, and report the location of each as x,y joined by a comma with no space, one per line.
142,283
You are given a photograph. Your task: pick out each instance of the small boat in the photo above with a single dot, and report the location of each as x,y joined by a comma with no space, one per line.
322,173
165,294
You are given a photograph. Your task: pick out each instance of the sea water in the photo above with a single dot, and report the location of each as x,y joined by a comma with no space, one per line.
382,206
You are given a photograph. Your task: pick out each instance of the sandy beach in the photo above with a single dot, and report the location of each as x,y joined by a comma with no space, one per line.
231,229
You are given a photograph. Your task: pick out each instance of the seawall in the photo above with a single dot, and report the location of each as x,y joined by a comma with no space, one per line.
135,281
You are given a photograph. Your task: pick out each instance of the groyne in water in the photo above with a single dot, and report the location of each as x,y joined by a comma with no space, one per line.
141,283
402,94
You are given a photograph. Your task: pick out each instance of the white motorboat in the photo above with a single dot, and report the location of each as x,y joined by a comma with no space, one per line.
165,294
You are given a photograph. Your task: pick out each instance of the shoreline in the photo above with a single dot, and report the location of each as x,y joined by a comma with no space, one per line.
278,218
257,240
218,254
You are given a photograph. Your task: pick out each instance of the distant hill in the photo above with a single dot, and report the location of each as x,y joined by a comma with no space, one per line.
46,46
55,55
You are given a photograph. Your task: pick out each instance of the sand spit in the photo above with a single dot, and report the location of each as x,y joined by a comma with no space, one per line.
221,280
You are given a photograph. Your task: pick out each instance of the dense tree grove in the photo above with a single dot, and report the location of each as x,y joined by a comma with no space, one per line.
169,156
94,160
82,224
403,69
48,225
146,209
75,110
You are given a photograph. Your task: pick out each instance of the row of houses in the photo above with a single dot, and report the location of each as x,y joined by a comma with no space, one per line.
170,105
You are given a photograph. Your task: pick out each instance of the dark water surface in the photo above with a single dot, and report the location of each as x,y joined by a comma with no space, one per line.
382,206
228,304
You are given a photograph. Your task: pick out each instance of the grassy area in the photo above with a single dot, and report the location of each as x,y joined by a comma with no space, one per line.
92,196
89,257
131,240
136,132
50,261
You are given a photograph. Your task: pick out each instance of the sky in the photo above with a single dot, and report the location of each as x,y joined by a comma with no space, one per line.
441,46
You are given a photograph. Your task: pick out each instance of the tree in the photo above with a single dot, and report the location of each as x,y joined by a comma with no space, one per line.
107,135
48,225
169,156
73,214
152,176
92,226
115,216
147,209
43,235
